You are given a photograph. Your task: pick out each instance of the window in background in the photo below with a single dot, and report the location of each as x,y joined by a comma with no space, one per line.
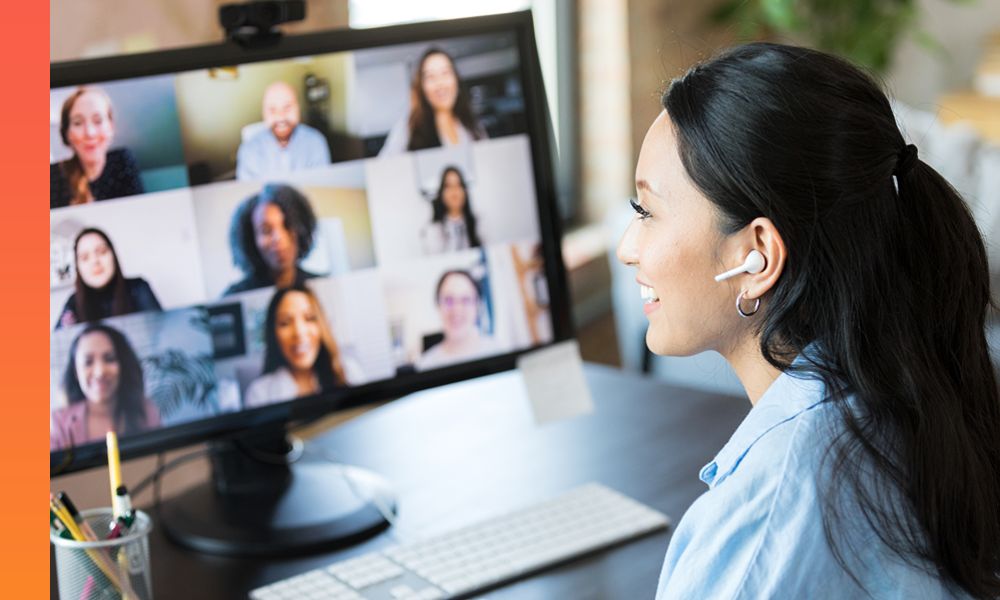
555,35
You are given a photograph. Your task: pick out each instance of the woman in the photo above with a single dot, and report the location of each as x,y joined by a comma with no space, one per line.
104,390
270,233
301,357
869,465
94,172
101,289
457,298
440,111
453,225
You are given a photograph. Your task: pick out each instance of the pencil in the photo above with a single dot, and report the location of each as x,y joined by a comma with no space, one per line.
114,468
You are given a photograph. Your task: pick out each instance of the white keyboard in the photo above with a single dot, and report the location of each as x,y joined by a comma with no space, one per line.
481,555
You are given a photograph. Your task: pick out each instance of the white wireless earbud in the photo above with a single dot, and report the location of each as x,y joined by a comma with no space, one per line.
753,264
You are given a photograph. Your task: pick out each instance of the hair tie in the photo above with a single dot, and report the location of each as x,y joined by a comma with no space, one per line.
906,161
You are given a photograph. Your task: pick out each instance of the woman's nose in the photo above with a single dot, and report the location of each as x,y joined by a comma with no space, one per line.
628,252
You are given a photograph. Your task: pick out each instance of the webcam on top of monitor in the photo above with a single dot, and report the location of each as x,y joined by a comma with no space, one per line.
255,23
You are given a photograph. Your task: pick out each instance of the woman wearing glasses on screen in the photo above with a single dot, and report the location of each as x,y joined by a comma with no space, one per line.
270,233
101,290
103,385
94,172
440,111
457,298
846,283
453,224
301,357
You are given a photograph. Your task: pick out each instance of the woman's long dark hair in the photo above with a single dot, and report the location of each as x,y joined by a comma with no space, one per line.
441,211
328,368
890,288
86,298
130,399
423,130
299,219
72,168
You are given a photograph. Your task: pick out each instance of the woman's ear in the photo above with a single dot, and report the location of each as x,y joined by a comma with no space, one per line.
764,238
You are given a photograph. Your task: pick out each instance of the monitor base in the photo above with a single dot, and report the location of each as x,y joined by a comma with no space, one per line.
277,509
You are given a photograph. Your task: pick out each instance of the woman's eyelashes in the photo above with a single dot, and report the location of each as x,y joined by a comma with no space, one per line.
639,210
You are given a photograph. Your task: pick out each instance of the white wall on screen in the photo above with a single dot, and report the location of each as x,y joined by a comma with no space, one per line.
356,311
397,209
505,201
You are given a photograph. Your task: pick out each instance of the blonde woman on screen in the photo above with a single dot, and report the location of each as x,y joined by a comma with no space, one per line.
95,171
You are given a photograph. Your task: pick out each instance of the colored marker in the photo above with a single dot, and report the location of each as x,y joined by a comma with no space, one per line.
123,506
88,588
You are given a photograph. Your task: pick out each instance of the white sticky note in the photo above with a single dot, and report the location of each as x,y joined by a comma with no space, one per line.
554,380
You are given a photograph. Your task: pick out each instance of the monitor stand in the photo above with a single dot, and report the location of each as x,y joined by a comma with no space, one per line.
266,498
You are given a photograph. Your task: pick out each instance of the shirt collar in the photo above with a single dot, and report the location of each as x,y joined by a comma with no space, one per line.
789,396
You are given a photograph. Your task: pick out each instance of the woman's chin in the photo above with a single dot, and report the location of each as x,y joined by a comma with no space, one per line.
664,345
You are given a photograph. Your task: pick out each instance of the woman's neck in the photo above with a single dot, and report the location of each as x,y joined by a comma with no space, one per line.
461,345
286,278
447,126
305,381
93,169
99,409
750,366
100,419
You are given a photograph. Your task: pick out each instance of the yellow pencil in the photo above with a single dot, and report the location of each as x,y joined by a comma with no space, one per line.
114,469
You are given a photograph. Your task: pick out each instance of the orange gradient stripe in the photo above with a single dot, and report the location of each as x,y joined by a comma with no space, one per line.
24,394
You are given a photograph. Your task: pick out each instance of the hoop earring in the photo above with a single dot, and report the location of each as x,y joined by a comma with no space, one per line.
739,309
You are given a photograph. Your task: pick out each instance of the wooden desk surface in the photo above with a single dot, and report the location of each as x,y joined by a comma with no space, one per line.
470,451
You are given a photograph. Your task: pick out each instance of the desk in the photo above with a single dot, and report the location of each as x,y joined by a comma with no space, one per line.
469,451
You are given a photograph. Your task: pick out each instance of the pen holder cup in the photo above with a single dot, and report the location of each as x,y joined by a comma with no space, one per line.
105,569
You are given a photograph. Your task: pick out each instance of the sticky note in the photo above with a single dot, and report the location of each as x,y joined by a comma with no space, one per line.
554,380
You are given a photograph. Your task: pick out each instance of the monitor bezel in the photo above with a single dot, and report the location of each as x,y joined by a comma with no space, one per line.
230,425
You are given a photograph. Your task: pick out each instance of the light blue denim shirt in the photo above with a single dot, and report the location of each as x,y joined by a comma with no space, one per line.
758,530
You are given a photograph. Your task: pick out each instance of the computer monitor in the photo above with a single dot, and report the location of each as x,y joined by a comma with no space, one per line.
245,236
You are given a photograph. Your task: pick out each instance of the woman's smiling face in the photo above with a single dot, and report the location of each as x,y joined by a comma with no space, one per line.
297,330
674,242
97,367
90,128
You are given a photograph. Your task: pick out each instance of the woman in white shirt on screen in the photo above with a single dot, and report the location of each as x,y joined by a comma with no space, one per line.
458,299
301,357
440,111
453,224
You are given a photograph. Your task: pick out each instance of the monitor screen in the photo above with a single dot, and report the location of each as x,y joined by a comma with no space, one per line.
248,236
